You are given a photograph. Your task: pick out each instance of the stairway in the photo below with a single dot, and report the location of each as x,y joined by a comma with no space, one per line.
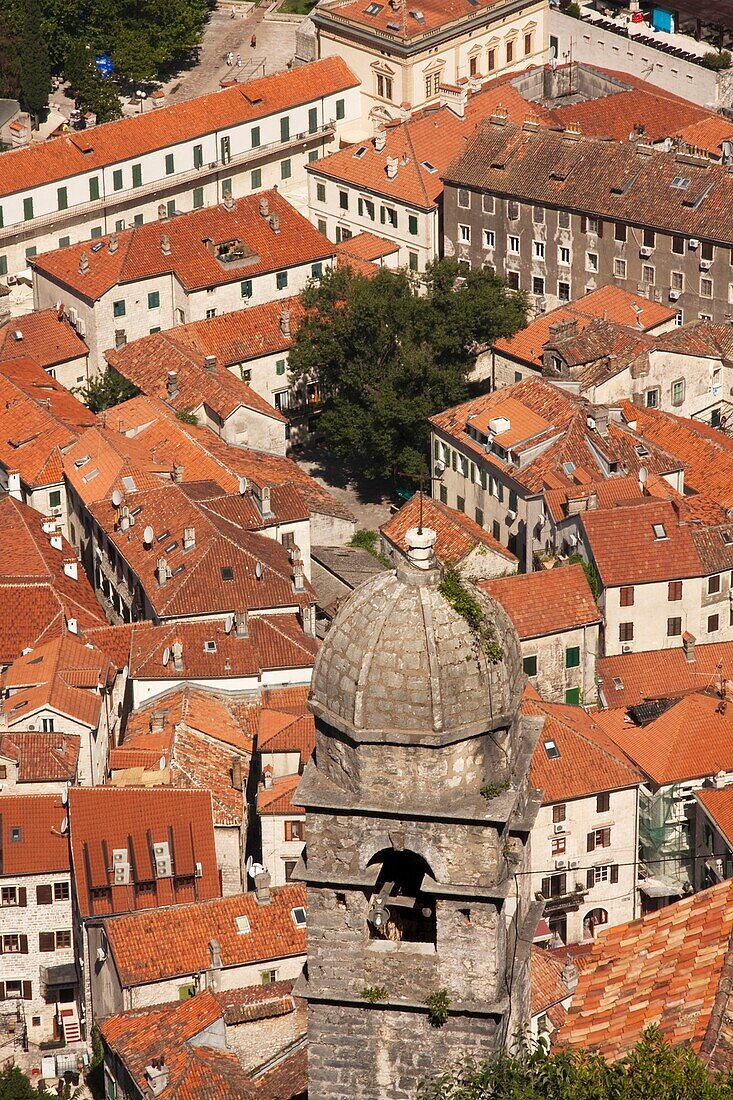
70,1021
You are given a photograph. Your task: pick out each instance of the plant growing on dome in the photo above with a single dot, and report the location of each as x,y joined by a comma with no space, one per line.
453,589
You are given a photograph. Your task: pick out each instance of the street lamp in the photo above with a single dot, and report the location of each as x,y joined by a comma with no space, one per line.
141,95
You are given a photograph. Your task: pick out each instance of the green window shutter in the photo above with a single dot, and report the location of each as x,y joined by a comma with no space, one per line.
340,109
572,697
443,494
198,197
117,179
412,224
286,170
170,164
281,280
96,232
256,178
529,664
62,196
154,299
285,128
94,188
64,242
280,366
198,156
317,271
246,288
312,120
572,657
512,501
484,479
2,218
321,192
28,208
137,175
256,138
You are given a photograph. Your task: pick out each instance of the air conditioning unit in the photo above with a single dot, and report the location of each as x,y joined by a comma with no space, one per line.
511,516
119,855
675,295
122,874
627,647
645,251
705,265
73,316
163,868
81,327
560,827
693,243
573,864
560,864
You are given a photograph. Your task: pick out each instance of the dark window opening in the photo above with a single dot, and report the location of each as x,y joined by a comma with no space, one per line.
399,911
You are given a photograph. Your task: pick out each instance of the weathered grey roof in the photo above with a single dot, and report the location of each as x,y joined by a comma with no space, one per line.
398,657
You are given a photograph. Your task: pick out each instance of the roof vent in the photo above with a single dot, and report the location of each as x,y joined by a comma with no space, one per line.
264,207
380,140
165,244
83,262
17,334
275,223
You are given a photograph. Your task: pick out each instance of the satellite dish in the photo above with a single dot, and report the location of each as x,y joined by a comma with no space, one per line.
166,656
117,498
243,483
65,825
553,52
64,796
643,474
254,869
148,535
258,570
161,763
228,623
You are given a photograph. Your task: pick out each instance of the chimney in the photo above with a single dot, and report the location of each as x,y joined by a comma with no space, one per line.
189,538
380,140
265,502
600,416
275,223
157,721
241,625
420,543
177,654
688,647
267,777
162,212
262,888
285,322
298,579
71,568
72,625
14,489
215,954
264,207
171,384
499,116
308,620
592,500
83,263
210,364
165,244
228,199
161,571
55,541
238,773
392,163
570,975
178,472
157,1076
113,244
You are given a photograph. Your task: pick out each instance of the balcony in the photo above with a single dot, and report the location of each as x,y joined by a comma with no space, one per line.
569,902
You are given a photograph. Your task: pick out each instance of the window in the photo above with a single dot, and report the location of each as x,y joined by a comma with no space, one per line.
291,864
137,175
563,255
320,192
256,179
599,838
280,368
706,287
285,128
95,233
44,895
269,976
281,280
512,280
551,749
170,164
340,109
563,219
678,391
529,664
677,281
312,120
321,226
538,285
245,288
558,845
154,299
255,137
679,318
713,623
487,204
117,179
627,596
650,238
170,206
464,198
603,803
388,216
294,830
707,251
210,313
713,584
62,198
559,812
118,309
366,209
572,656
674,627
54,501
461,504
198,197
674,591
46,941
626,632
412,261
538,248
554,886
512,210
678,246
411,223
344,200
464,233
491,61
619,231
94,188
15,944
4,264
527,44
198,156
619,269
572,697
9,895
286,169
384,86
510,52
443,494
591,261
563,291
489,238
647,274
601,874
317,270
28,208
63,939
514,245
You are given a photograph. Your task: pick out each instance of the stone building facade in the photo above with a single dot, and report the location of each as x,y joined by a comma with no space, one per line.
418,812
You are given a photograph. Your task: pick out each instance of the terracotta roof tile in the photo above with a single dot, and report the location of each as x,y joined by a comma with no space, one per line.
718,804
65,675
26,375
106,818
31,840
669,969
627,551
47,337
633,677
42,757
457,534
135,939
708,133
546,602
404,25
548,988
31,437
279,798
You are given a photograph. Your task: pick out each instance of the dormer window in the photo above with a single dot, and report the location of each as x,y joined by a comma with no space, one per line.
553,753
659,531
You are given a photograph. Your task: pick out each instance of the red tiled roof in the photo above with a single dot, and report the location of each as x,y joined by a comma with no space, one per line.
106,818
547,602
36,596
670,969
31,437
708,133
691,740
139,253
26,375
404,25
135,939
97,462
626,550
367,246
589,761
77,153
659,673
718,804
548,988
457,534
279,798
41,846
114,642
42,757
47,336
65,675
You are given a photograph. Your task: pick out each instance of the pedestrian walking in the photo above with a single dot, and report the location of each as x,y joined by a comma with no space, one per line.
253,41
239,61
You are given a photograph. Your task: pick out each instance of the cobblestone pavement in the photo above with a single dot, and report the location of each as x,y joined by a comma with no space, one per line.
369,500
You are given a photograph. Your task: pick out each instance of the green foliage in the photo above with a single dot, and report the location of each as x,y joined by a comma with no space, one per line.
493,790
716,60
591,573
14,1085
573,10
438,1007
652,1071
187,416
95,1077
467,606
92,91
105,391
374,993
9,62
387,357
368,540
35,67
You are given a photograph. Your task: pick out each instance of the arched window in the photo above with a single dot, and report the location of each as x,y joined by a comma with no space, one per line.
399,910
593,920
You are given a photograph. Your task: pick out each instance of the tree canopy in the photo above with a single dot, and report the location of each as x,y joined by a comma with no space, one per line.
35,67
653,1070
387,357
105,391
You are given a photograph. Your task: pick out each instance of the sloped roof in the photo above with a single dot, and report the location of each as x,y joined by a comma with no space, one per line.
97,462
135,939
627,551
548,988
66,675
457,534
546,602
36,383
42,757
671,969
279,798
663,672
718,804
47,337
32,439
31,839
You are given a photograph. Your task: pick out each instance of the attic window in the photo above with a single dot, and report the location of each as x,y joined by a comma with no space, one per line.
16,833
727,538
299,918
418,16
568,467
659,531
90,476
360,152
428,166
171,547
209,647
373,9
79,462
163,536
129,485
618,683
553,753
641,451
681,183
243,925
227,573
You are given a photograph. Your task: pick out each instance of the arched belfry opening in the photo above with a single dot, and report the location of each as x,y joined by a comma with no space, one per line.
400,910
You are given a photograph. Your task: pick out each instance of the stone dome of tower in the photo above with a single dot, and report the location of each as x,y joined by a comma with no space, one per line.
399,657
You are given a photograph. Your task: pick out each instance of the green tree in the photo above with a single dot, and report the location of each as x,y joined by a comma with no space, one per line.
9,62
35,67
14,1085
387,357
653,1070
105,391
92,91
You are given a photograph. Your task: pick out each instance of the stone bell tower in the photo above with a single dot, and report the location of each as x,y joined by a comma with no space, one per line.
418,816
